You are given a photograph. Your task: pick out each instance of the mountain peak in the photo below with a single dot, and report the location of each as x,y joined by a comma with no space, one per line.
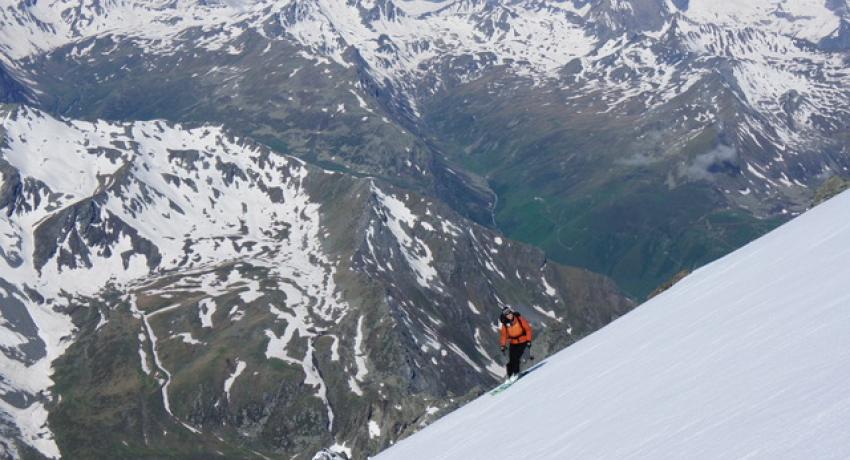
614,17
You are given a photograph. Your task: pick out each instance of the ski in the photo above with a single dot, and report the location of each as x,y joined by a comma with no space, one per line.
502,387
505,385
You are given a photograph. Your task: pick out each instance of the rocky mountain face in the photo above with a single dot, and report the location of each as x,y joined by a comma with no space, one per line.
185,292
685,127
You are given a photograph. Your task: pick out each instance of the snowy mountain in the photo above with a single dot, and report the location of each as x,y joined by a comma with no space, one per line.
511,112
745,358
685,131
165,268
167,289
405,43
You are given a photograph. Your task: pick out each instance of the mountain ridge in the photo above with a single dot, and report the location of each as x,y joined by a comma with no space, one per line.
754,97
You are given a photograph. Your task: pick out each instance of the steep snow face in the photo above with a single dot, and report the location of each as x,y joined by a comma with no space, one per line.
746,358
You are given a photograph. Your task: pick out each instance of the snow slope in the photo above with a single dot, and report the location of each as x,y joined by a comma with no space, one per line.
749,357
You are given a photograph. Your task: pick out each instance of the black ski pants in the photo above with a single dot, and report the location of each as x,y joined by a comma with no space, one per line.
514,356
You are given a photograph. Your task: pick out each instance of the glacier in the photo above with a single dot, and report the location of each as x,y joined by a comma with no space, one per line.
748,357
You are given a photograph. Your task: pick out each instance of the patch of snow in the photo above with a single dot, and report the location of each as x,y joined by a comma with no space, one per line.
495,369
374,429
103,321
228,383
550,291
548,313
186,337
359,352
454,348
206,309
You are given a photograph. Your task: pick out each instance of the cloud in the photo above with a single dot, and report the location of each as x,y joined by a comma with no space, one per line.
718,159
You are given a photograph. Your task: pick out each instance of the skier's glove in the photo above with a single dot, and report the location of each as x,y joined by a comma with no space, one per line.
503,350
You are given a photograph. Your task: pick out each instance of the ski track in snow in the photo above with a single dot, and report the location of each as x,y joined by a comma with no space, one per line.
745,358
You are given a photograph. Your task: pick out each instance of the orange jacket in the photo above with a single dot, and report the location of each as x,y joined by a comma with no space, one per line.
519,331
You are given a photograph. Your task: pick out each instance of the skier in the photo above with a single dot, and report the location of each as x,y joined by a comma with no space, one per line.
517,329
